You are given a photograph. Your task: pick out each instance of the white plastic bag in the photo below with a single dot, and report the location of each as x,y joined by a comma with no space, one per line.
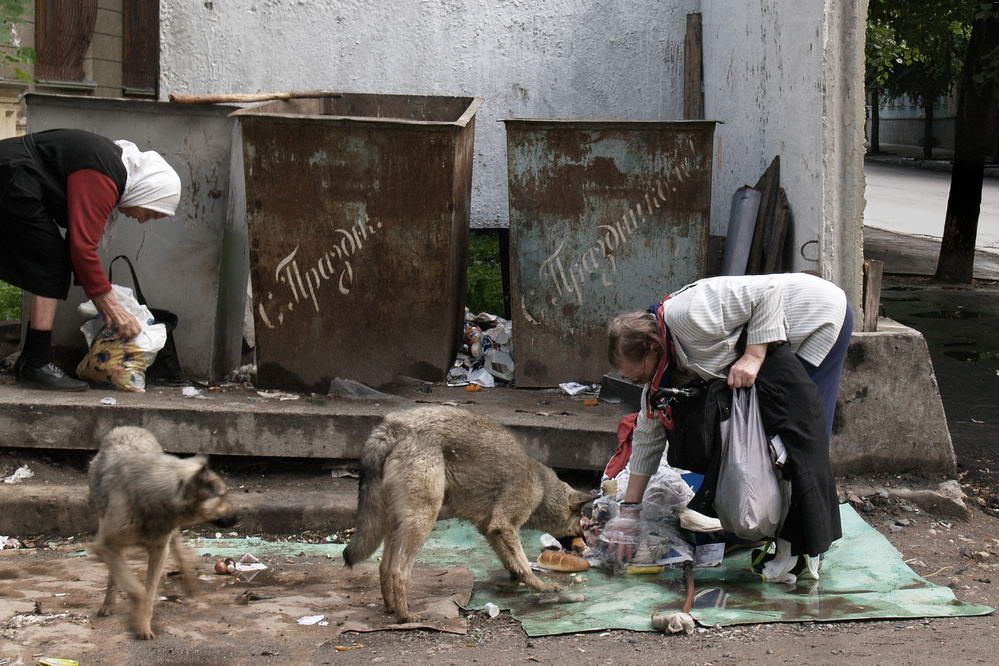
749,500
113,359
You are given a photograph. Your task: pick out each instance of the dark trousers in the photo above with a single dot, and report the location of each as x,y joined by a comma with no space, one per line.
827,374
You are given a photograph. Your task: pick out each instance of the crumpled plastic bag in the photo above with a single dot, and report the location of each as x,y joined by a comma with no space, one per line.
657,540
112,359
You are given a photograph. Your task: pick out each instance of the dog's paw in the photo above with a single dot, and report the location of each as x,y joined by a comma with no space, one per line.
145,634
104,611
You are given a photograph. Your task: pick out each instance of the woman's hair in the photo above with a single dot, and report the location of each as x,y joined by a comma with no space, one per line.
630,336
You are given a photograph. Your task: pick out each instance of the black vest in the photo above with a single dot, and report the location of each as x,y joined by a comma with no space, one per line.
58,153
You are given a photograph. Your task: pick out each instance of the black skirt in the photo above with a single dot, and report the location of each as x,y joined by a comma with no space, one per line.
34,253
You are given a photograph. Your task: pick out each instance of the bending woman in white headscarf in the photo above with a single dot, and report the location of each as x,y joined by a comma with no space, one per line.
68,182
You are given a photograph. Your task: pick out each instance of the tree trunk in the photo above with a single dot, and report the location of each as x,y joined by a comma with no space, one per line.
957,249
875,121
928,101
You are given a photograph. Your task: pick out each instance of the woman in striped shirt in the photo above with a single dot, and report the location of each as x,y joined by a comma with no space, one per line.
698,329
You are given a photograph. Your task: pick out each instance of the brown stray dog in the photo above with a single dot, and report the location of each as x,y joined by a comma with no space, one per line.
144,497
420,461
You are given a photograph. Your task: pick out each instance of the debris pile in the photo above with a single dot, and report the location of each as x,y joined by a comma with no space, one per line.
486,355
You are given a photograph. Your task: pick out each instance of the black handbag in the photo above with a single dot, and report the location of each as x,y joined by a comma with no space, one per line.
166,368
696,436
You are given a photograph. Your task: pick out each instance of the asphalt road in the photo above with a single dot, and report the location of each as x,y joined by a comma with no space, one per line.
914,201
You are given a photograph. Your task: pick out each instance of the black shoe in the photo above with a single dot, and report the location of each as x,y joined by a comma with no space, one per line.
49,377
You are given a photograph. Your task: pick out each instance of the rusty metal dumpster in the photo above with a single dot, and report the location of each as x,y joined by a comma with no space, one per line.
357,207
605,217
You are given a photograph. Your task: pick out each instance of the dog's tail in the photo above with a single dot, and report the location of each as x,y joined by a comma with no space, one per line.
370,508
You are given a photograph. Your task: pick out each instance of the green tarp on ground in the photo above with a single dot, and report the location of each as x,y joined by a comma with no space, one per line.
863,577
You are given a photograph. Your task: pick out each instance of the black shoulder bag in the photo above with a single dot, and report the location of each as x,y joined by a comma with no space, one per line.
166,368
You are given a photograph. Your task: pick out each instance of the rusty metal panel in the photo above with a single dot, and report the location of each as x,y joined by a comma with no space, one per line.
357,208
605,217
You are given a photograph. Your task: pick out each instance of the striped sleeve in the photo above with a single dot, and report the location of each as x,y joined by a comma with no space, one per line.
648,443
766,320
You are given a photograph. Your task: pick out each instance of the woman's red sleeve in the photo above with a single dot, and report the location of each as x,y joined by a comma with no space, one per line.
90,198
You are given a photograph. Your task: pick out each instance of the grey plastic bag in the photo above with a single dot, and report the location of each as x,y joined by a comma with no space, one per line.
751,501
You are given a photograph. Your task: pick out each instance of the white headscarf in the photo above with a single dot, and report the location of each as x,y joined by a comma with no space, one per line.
151,182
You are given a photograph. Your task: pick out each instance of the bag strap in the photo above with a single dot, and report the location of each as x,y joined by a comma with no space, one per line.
665,414
135,280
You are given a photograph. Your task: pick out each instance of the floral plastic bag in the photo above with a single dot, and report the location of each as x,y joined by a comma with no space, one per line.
113,359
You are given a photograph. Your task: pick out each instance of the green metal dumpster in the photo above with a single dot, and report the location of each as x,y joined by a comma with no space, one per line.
357,208
605,217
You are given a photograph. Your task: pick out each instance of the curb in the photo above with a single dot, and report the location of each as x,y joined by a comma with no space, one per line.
65,510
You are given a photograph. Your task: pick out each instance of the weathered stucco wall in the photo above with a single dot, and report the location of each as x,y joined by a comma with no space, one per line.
785,78
580,59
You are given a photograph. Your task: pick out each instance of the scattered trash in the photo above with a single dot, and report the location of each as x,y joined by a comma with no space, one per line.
225,567
492,609
9,542
548,541
190,392
458,375
575,388
673,623
243,374
472,388
108,401
487,351
56,661
20,474
482,378
250,563
499,364
249,595
348,389
280,395
22,620
591,402
309,620
344,648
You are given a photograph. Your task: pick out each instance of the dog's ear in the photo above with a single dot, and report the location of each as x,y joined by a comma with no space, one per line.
195,484
577,499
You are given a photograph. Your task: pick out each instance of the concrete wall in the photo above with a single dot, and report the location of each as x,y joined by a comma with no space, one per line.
785,78
558,59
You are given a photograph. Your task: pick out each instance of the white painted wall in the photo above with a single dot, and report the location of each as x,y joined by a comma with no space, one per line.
581,59
785,77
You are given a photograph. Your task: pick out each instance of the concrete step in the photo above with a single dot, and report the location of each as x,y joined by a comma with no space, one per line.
63,510
556,429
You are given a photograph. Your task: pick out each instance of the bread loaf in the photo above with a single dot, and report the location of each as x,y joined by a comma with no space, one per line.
557,560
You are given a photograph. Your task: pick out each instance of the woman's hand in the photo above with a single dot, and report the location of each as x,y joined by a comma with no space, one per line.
743,372
116,316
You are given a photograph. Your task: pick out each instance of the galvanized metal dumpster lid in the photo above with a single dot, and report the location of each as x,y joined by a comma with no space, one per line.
375,109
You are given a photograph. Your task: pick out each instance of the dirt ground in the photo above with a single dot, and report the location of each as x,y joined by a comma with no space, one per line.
215,628
960,328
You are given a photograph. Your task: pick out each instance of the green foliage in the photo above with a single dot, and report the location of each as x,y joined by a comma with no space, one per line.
917,49
485,274
13,12
10,302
